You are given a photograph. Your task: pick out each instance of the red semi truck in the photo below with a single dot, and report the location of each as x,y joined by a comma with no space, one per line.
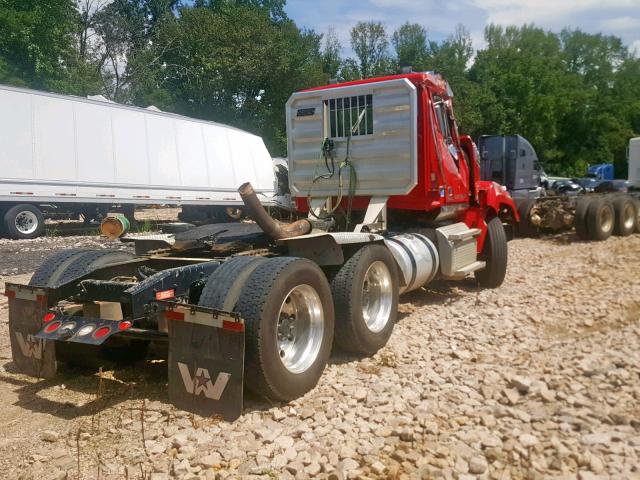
390,198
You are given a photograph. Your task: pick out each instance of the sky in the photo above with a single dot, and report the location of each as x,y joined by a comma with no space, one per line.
439,17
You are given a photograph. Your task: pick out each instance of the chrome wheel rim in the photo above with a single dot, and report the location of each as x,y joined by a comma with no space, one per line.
26,222
377,296
300,328
629,218
606,219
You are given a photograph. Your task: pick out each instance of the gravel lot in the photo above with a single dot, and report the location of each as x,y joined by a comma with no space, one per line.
537,379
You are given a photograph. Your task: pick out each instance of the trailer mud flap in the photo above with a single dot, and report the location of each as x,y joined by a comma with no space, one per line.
31,355
206,360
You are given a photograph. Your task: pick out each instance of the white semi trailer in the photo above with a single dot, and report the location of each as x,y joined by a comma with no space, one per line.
76,155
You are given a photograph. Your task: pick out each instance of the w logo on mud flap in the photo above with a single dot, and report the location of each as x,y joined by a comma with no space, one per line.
201,382
30,346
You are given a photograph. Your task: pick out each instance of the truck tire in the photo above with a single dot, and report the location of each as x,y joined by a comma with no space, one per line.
289,320
365,295
67,265
525,228
225,284
24,222
580,218
626,216
637,203
600,219
495,254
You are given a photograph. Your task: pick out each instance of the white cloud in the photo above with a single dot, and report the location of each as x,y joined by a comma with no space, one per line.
621,23
548,12
440,17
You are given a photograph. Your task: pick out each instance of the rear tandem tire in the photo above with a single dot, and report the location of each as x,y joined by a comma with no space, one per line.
625,216
495,254
67,265
289,320
225,284
580,218
600,219
372,271
525,229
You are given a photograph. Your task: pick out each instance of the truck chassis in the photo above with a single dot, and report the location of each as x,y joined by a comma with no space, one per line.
594,216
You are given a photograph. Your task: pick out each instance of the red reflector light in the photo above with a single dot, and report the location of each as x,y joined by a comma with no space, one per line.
165,294
101,332
52,327
235,326
48,317
124,325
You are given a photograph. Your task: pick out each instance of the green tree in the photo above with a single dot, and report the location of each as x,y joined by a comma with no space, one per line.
370,44
125,29
36,41
273,8
597,127
525,86
331,59
236,65
410,44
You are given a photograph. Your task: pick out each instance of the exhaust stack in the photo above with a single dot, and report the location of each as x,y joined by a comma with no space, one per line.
271,227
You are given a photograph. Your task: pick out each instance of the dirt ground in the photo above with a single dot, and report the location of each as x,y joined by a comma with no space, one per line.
537,379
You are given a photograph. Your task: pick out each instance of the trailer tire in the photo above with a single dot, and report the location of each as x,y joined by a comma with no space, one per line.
495,254
580,218
525,229
600,219
269,369
626,216
225,284
356,332
24,222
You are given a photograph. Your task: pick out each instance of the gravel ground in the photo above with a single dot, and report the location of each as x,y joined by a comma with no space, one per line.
537,379
24,256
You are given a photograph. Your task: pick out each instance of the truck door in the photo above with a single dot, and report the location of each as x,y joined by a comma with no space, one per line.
454,165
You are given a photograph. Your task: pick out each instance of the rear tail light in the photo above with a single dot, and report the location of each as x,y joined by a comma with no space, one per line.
124,325
101,332
52,327
48,317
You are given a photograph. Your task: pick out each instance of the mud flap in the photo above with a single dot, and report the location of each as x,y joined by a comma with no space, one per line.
31,355
206,360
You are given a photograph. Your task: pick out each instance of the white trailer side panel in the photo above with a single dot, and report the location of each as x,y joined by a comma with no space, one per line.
59,148
634,162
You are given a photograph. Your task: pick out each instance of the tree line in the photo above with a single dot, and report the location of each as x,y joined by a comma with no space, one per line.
574,95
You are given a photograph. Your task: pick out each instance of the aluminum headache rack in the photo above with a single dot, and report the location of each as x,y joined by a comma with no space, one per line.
206,346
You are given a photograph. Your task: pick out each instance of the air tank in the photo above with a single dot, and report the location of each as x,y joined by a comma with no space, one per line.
417,257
